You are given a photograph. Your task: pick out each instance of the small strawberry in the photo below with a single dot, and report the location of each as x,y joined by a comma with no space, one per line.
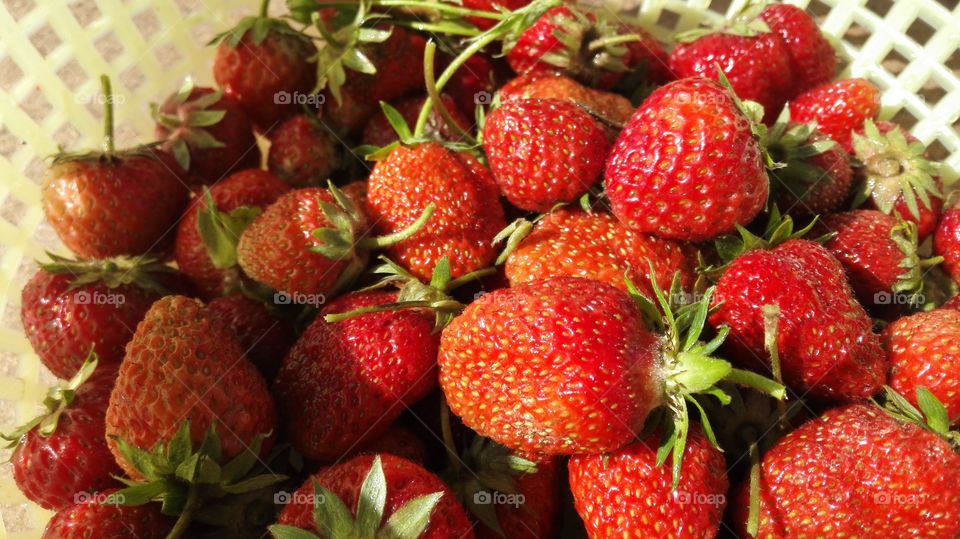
543,152
205,246
380,133
264,338
69,306
367,496
670,170
812,59
837,108
628,489
105,517
946,242
608,106
303,152
208,133
261,59
397,441
62,455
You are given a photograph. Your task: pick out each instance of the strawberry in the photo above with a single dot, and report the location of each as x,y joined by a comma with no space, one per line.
374,364
646,55
946,242
596,246
608,106
397,441
824,338
105,517
669,172
264,338
371,494
857,471
491,5
812,59
205,246
62,455
261,62
208,133
543,152
628,490
473,84
303,152
837,108
468,213
69,306
379,133
923,353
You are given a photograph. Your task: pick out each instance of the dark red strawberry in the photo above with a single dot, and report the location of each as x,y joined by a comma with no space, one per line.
646,55
612,108
303,152
838,108
544,152
946,242
397,441
379,133
813,60
265,339
473,84
105,517
494,6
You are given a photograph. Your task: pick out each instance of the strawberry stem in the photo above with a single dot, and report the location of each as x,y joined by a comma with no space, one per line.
771,321
601,43
183,521
429,52
105,87
447,432
263,8
756,381
753,511
443,305
379,242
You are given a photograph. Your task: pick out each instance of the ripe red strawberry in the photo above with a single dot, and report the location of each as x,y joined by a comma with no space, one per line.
265,339
627,490
208,133
838,108
70,306
946,242
826,344
856,471
397,441
468,213
669,173
611,107
62,455
473,84
109,520
596,246
183,364
236,200
302,152
261,63
357,483
363,371
812,59
494,6
648,55
923,351
543,152
379,133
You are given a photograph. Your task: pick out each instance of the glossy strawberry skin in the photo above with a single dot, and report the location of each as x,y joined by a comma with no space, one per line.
813,60
857,471
107,521
558,366
923,351
405,481
74,460
468,213
838,108
626,490
536,517
359,374
827,193
255,73
539,39
946,242
251,187
105,209
265,340
686,165
544,152
397,441
826,344
184,364
379,133
302,153
596,246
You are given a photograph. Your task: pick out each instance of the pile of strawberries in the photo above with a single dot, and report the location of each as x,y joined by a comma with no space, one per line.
505,270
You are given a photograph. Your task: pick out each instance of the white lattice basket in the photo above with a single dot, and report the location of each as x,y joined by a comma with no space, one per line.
52,51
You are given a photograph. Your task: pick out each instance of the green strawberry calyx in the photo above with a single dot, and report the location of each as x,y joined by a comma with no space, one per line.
140,271
744,23
220,231
793,145
185,479
188,124
335,519
910,283
257,27
929,413
57,400
406,137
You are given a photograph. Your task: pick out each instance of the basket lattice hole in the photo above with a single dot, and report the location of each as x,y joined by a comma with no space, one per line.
85,11
19,8
147,23
818,8
720,6
36,106
45,40
189,6
132,78
72,75
931,92
894,62
65,137
936,151
13,210
904,118
920,31
881,7
109,47
856,35
10,73
8,143
668,19
167,55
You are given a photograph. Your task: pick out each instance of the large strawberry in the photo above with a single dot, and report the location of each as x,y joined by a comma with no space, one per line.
265,339
838,108
628,489
812,59
367,496
303,152
62,455
824,338
544,151
359,373
687,165
607,106
71,306
105,517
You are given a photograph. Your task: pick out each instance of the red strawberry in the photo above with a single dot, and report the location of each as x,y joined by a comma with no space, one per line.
669,172
647,54
473,84
824,337
264,338
813,60
627,490
357,483
837,108
611,107
946,242
596,246
923,351
62,456
397,441
70,306
208,133
856,471
104,517
236,200
363,370
468,213
543,152
261,63
303,152
379,133
494,6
